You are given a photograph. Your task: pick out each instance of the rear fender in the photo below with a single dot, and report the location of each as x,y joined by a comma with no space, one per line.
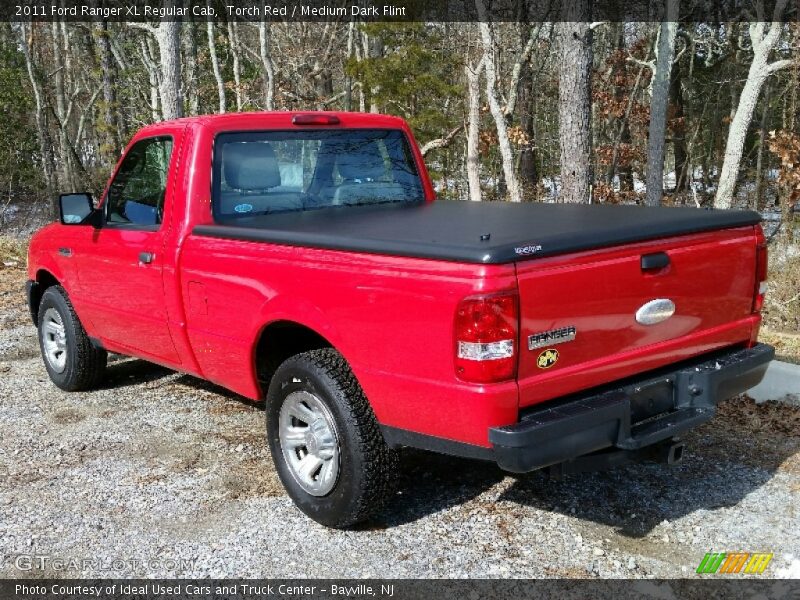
282,308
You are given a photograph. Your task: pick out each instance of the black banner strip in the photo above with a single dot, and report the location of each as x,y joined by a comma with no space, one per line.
398,10
733,588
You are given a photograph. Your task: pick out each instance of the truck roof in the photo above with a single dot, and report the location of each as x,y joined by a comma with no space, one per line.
278,118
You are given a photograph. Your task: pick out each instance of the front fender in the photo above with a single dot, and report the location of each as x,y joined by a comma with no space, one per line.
43,260
33,294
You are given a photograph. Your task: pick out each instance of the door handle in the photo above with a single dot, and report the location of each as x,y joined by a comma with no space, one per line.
146,257
65,251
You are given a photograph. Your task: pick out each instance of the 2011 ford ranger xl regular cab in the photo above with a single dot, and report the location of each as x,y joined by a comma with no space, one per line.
300,258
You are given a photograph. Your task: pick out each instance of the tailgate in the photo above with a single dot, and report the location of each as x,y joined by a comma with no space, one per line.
578,324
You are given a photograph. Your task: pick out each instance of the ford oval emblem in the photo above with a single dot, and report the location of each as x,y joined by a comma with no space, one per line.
655,311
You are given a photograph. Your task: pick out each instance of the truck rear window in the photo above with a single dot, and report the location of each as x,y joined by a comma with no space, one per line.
257,173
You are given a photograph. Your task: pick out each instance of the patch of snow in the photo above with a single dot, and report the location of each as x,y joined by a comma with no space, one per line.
792,571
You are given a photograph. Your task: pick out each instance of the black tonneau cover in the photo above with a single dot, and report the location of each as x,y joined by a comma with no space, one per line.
476,232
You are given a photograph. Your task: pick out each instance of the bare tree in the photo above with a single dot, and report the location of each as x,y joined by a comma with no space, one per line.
110,114
62,108
212,50
489,47
362,100
25,35
190,53
266,64
763,41
168,37
237,69
523,56
148,51
680,148
665,50
755,203
521,92
373,48
574,100
169,46
473,130
348,83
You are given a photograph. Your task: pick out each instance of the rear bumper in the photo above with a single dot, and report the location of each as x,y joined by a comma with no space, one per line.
631,416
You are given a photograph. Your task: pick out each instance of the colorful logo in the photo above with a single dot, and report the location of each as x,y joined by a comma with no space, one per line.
753,563
547,358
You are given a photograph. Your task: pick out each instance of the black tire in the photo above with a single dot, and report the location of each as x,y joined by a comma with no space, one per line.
84,363
366,465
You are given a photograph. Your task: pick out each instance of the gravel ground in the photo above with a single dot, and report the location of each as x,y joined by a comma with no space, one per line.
158,466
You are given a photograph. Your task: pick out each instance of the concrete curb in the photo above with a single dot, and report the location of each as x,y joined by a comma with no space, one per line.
781,382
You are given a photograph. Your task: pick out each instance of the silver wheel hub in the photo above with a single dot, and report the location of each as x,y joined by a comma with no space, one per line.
309,442
54,340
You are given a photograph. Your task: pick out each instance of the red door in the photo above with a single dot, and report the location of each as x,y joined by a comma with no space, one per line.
120,266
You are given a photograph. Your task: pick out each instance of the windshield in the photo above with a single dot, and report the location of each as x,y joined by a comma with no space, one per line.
257,173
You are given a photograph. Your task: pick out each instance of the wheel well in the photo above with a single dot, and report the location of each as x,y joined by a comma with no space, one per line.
44,280
277,342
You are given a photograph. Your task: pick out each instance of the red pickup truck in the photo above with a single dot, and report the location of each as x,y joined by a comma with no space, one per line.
300,258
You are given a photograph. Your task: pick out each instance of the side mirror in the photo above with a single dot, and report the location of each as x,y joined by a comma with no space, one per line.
78,209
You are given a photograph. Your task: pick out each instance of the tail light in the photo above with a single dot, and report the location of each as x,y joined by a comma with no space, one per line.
486,338
761,272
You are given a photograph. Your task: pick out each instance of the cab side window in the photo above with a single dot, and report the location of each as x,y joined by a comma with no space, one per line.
136,194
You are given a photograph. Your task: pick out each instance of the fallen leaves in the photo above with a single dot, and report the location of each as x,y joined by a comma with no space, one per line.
765,417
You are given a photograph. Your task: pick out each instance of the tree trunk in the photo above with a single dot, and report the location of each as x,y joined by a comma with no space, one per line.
109,113
190,51
526,43
738,131
762,139
212,50
574,101
266,65
760,69
679,132
473,131
65,178
362,100
690,119
527,167
233,42
506,154
787,206
42,133
323,85
373,48
348,80
658,105
624,137
148,52
169,46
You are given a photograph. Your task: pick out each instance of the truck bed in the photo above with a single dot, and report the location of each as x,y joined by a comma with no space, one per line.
476,232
